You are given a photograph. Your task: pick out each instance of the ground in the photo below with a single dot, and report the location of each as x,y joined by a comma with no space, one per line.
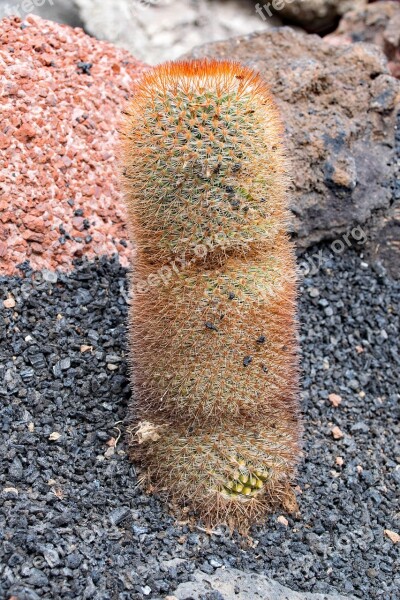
76,524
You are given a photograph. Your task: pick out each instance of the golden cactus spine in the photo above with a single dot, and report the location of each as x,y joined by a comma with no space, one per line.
215,419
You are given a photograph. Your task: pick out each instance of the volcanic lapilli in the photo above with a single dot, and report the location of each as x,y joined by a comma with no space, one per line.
215,418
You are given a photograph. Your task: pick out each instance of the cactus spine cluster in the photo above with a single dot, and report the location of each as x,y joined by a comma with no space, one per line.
215,419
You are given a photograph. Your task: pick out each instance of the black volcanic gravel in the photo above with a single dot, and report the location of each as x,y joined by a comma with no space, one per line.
73,521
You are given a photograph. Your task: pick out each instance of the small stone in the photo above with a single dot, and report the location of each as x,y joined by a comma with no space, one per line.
247,360
335,400
139,530
53,437
10,490
49,276
65,364
339,461
16,469
73,560
51,556
85,67
57,369
205,567
392,535
215,563
313,292
25,132
111,367
77,223
119,514
27,375
37,361
337,433
354,384
146,590
113,358
37,578
33,236
283,521
9,303
84,348
37,248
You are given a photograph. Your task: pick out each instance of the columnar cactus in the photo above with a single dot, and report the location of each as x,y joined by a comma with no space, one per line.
215,419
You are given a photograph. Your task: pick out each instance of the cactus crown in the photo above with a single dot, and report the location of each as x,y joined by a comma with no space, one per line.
207,163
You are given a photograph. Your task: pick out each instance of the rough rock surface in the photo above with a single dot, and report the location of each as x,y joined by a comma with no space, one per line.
339,105
75,524
317,15
61,101
160,30
377,23
232,584
63,94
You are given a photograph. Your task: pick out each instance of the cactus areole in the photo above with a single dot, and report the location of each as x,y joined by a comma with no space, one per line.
214,420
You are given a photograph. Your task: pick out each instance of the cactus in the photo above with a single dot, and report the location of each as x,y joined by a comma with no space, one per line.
215,419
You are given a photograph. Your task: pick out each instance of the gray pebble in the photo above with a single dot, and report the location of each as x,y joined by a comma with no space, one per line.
16,469
65,364
73,560
49,276
119,514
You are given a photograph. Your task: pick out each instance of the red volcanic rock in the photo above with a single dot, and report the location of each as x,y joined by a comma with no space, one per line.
62,97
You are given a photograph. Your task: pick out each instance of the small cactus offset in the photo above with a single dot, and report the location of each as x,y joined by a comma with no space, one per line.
215,420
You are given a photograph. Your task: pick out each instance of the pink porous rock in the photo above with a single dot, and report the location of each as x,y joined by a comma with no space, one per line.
62,97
